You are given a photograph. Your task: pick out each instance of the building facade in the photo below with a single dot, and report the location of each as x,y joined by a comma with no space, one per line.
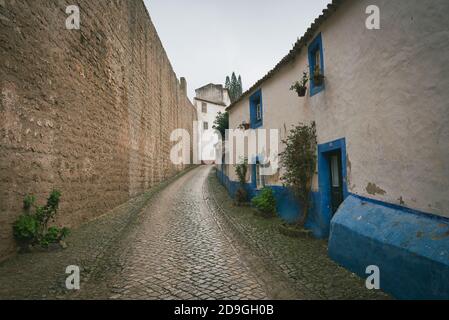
381,189
209,101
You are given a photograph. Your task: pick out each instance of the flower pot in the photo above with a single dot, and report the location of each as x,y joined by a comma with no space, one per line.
246,126
301,91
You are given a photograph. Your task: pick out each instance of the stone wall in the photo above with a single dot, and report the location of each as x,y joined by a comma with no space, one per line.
88,112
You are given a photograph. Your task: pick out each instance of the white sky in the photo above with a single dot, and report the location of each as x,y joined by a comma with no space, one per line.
208,39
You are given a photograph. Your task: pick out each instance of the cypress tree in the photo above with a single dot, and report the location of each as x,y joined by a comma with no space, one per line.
234,85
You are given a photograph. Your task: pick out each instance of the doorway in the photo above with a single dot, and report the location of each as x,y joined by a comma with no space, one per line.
333,189
336,180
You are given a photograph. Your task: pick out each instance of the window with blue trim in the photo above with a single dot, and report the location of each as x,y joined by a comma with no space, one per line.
256,110
316,64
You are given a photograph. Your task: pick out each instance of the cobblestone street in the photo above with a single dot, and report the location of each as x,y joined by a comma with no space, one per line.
178,242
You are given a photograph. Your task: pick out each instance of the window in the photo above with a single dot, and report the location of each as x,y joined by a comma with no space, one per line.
205,125
256,110
204,107
316,63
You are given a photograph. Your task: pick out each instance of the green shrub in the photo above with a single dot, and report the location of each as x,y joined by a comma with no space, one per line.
54,235
26,228
299,161
28,202
265,201
241,170
33,228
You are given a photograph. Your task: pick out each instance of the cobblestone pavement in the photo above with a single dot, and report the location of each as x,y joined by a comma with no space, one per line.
304,261
166,244
41,275
175,250
183,240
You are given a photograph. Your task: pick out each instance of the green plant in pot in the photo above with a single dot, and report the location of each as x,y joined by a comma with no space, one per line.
318,77
301,86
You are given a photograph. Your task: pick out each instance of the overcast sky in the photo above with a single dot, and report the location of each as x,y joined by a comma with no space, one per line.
208,39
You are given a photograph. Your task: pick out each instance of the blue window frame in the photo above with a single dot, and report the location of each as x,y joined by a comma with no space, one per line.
256,110
316,60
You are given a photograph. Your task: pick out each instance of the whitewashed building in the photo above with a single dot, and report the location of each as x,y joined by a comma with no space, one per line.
381,190
210,100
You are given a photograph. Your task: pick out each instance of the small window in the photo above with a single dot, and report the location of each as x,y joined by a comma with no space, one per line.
316,63
258,112
204,107
205,125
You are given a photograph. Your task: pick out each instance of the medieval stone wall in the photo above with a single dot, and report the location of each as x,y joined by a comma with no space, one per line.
88,112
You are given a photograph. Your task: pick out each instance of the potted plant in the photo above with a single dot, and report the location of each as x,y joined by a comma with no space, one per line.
301,86
244,126
318,77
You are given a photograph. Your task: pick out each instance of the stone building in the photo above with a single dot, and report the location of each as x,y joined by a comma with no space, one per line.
209,101
381,189
88,112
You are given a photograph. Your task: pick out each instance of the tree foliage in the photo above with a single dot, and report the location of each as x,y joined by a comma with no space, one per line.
299,161
221,123
234,86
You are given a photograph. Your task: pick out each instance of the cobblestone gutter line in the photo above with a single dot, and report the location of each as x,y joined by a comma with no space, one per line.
41,275
304,262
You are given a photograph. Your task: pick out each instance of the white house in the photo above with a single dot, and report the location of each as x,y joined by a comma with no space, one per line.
210,100
381,190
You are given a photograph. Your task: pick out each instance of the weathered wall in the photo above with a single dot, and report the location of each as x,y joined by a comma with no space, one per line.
87,111
207,139
386,93
214,93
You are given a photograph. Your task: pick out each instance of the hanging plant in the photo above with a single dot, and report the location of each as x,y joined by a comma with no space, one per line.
244,126
301,86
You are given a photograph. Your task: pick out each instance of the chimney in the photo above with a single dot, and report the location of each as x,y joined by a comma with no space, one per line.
183,85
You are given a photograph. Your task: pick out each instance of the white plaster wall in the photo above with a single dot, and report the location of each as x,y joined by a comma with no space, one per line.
387,93
207,139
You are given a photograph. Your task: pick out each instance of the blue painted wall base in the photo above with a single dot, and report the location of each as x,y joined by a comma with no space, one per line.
288,208
411,249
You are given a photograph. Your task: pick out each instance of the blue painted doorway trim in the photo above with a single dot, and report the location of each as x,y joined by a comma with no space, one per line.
324,180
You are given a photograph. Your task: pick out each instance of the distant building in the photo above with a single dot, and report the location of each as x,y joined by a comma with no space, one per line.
209,101
381,188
